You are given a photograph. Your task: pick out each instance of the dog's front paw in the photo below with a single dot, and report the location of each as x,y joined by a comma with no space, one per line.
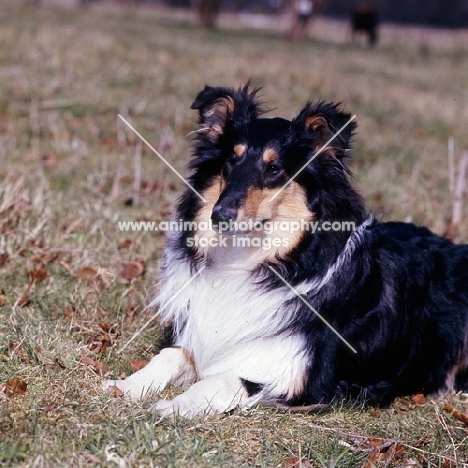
124,387
179,406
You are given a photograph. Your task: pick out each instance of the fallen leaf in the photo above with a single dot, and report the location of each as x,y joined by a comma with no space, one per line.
125,244
449,463
130,311
14,387
132,270
86,273
4,258
100,343
68,313
381,456
114,391
294,462
138,364
99,367
419,399
2,300
463,417
23,301
49,160
36,276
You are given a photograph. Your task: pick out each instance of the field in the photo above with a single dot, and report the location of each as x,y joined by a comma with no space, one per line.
73,287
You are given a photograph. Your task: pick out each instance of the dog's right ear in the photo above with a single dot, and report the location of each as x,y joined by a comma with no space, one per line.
220,107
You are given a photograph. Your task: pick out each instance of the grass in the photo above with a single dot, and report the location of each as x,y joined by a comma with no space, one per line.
67,177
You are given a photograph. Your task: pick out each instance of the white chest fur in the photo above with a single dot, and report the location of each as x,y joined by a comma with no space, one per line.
229,324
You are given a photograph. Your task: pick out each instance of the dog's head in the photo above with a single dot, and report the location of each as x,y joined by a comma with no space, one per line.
257,170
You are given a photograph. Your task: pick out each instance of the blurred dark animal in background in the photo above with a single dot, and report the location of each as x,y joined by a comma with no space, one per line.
207,11
365,19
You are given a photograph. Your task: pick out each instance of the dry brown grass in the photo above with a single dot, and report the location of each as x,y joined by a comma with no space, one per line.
67,178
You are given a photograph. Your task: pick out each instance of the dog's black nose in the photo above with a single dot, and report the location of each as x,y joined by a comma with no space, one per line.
223,213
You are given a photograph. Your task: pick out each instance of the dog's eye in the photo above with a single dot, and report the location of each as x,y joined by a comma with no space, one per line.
273,169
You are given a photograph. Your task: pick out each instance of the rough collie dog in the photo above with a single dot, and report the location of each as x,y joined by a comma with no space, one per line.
297,317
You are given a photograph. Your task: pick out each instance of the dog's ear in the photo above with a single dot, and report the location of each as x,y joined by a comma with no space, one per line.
220,107
321,122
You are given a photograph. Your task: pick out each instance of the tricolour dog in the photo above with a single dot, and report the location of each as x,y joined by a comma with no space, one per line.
264,311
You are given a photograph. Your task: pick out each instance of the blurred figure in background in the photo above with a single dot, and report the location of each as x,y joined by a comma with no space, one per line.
365,19
303,11
207,11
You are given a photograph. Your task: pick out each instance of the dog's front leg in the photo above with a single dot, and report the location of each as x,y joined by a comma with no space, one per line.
171,365
212,395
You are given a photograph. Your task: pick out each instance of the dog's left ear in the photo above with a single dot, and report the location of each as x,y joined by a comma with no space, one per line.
220,107
321,121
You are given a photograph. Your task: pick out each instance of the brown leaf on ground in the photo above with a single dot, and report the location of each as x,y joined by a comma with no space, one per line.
23,301
449,463
14,387
382,456
459,415
114,391
125,244
98,366
2,300
419,399
132,270
138,364
130,310
86,273
69,313
4,258
36,276
100,343
49,160
294,462
381,451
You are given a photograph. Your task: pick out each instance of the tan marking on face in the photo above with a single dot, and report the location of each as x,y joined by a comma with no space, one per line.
239,149
270,155
203,217
290,205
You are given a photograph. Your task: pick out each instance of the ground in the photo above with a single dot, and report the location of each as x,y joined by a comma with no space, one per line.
73,286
